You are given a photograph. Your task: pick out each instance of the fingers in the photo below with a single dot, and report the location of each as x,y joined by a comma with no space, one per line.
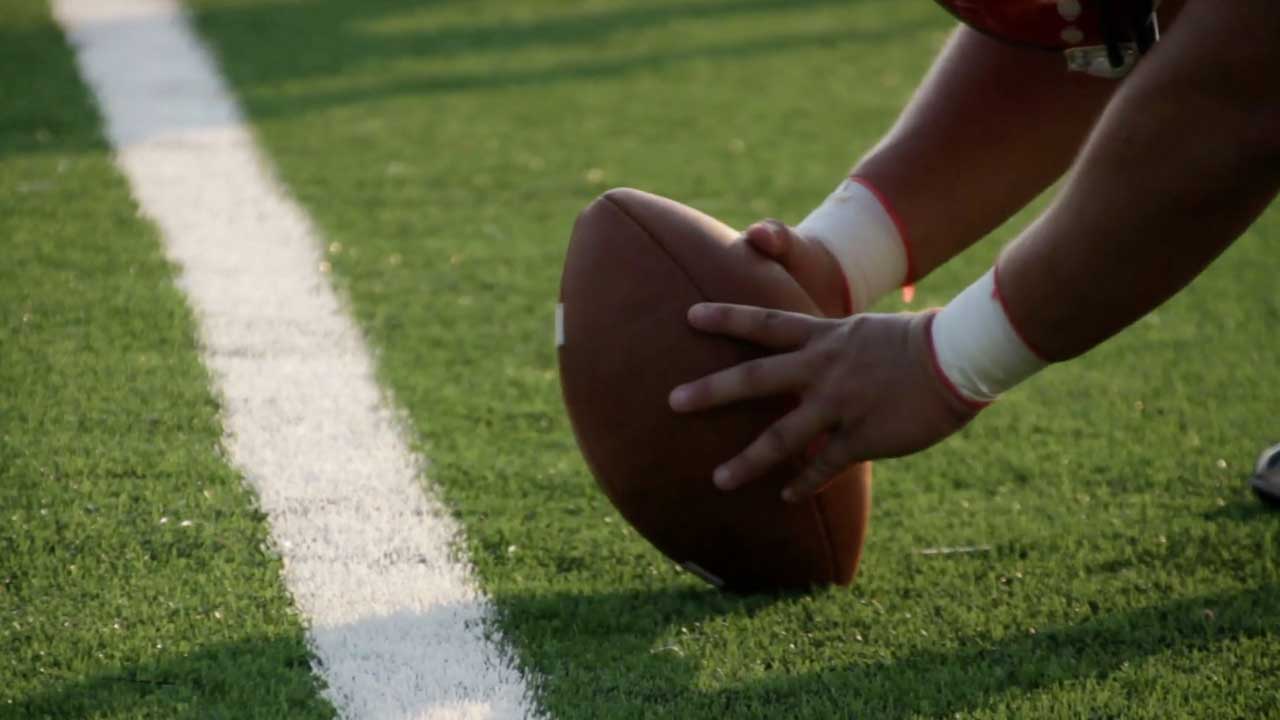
784,439
777,329
770,237
763,377
831,460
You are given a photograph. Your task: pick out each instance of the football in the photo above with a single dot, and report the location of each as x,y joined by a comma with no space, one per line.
635,264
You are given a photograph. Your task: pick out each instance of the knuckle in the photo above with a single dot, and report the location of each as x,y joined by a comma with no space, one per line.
827,353
774,442
766,320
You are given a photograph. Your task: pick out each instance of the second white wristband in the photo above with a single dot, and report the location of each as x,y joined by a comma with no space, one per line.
977,346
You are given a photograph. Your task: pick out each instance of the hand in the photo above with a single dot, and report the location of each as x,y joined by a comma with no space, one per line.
869,382
808,261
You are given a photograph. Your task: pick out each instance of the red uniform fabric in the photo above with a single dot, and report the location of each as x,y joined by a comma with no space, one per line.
1048,24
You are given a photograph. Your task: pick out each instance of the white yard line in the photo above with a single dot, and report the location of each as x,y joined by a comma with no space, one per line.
395,620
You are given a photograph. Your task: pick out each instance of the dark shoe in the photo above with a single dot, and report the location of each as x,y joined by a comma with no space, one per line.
1266,477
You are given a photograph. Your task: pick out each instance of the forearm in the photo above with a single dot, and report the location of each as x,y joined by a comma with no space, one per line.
990,128
1183,161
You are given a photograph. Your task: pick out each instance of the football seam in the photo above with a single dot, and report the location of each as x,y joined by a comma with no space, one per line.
823,533
821,517
607,485
649,234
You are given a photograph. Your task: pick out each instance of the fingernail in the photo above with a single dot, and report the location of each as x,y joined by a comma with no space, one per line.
722,478
789,495
679,399
697,312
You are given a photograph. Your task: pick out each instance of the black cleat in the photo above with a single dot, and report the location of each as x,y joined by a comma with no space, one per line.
1266,477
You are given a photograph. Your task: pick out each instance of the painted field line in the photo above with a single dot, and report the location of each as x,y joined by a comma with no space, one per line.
395,620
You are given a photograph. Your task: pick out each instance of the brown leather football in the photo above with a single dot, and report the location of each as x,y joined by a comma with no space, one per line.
636,263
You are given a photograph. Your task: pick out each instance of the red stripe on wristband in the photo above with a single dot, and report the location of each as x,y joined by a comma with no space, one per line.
897,223
975,405
1004,306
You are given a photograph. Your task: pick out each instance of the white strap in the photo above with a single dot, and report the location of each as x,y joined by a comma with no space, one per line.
977,346
864,239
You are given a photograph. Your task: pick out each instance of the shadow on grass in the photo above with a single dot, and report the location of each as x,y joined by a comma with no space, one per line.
253,677
1241,511
399,666
450,82
43,106
599,657
622,630
266,44
324,36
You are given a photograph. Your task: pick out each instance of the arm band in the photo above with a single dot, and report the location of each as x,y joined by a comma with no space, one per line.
978,350
857,227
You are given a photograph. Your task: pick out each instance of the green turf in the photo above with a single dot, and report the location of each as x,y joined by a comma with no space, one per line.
134,576
445,148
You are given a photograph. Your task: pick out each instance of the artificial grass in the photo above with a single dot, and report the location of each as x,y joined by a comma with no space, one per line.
444,149
135,577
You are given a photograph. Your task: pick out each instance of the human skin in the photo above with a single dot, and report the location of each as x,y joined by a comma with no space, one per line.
1184,158
990,127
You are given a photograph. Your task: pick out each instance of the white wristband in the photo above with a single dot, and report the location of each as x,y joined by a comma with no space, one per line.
978,348
860,232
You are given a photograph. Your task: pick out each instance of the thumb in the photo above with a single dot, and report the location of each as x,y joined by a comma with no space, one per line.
771,238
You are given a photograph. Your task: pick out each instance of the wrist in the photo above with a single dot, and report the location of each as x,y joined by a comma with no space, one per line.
834,298
977,350
857,226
